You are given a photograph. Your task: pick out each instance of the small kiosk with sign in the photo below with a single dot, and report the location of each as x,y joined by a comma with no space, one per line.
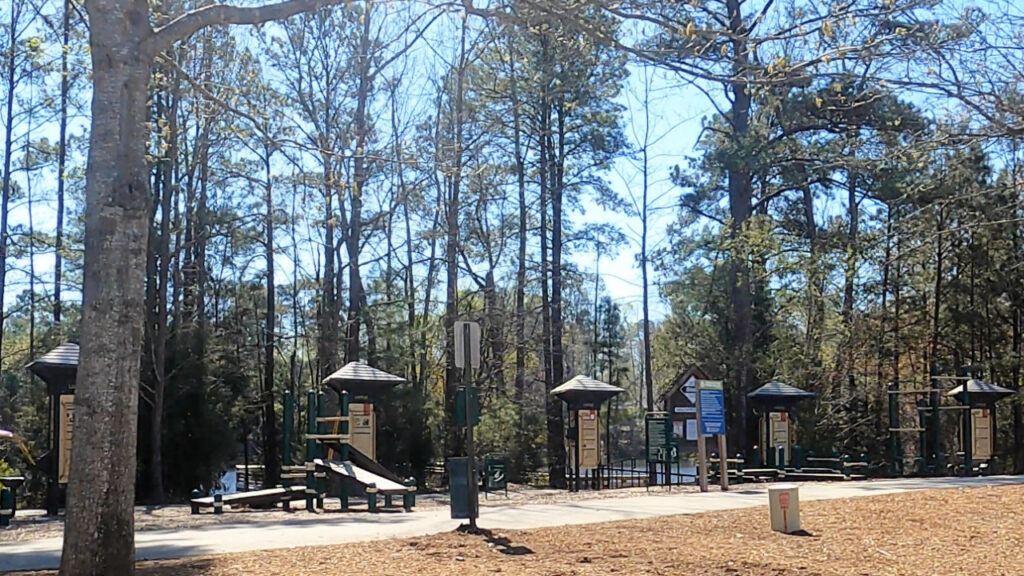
978,422
680,403
58,368
583,396
774,404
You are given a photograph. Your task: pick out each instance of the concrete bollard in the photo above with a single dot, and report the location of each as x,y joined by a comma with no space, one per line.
218,504
784,507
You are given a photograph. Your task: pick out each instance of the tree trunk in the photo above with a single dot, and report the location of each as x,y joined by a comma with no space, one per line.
327,343
360,177
62,154
163,280
100,524
846,372
271,457
740,196
5,193
648,362
452,248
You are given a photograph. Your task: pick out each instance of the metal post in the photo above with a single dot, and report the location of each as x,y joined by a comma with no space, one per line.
934,432
343,453
894,424
286,436
467,375
576,450
724,467
608,432
245,451
310,449
52,483
968,434
702,450
320,477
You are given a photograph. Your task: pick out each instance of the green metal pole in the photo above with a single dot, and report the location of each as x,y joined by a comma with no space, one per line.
968,434
934,432
286,437
343,452
470,412
311,410
320,476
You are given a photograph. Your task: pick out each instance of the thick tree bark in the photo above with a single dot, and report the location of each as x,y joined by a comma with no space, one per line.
99,530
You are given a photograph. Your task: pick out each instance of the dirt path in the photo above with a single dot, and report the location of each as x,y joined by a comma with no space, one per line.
926,533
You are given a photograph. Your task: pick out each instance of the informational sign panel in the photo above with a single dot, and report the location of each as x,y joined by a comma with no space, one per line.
711,406
659,437
589,439
363,428
460,344
981,433
66,432
495,473
778,430
691,429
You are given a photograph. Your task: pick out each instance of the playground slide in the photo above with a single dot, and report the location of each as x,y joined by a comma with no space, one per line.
257,498
363,461
361,476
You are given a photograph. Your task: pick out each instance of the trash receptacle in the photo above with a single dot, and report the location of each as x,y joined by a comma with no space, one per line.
784,507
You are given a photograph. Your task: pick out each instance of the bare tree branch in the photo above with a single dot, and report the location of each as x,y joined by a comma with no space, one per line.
191,22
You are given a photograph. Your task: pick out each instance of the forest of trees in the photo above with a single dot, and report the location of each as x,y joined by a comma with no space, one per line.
347,183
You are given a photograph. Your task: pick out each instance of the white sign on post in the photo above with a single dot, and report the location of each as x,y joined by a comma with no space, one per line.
460,344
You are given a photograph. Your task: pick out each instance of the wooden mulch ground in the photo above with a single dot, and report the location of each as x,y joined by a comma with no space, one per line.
934,533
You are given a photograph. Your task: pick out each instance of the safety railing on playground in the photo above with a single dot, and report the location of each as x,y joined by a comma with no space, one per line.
634,473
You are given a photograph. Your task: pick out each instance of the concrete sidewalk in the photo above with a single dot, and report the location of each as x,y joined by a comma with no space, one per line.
338,528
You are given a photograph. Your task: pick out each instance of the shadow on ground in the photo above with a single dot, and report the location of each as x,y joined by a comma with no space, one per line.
502,543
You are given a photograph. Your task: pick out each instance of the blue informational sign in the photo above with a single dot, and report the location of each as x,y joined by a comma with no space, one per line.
712,407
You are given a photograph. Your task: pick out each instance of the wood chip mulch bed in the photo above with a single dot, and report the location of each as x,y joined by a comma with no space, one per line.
933,533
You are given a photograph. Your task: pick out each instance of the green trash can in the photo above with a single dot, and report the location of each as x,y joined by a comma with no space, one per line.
459,477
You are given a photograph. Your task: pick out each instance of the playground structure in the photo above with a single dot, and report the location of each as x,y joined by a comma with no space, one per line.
781,457
340,447
583,397
970,402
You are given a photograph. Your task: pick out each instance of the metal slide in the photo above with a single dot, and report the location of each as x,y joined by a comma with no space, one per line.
361,476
